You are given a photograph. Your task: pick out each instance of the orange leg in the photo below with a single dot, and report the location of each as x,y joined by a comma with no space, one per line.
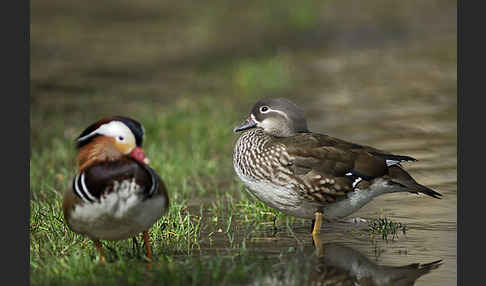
146,240
317,223
100,250
148,251
316,237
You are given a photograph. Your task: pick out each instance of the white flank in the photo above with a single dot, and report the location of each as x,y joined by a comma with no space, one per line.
119,215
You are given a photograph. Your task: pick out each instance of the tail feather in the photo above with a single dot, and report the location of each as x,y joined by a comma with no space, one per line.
424,190
410,273
423,268
398,158
401,177
431,265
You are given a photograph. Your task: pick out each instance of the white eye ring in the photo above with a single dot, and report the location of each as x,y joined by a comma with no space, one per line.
264,109
120,138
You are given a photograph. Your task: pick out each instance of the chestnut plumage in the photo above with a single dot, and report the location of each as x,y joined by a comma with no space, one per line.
114,195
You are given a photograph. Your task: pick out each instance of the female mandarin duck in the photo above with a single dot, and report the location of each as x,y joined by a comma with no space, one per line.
311,175
114,195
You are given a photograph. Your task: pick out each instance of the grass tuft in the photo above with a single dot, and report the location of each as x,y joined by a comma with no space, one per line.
385,228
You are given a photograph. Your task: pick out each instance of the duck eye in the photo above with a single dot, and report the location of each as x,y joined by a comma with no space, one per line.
121,138
264,109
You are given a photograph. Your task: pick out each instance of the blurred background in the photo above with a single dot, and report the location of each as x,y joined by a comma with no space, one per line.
375,72
115,55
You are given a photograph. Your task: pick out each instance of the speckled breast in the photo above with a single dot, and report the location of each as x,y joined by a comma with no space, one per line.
262,168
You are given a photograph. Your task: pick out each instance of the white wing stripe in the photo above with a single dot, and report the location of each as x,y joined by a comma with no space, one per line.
391,162
356,181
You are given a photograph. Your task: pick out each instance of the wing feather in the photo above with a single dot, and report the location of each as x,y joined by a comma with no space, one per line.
332,167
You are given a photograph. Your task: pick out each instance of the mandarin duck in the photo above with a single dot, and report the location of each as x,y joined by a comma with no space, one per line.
311,175
114,195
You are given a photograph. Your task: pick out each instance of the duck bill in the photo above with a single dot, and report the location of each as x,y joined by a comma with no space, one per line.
138,154
249,123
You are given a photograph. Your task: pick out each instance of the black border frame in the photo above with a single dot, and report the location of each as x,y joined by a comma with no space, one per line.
471,197
15,118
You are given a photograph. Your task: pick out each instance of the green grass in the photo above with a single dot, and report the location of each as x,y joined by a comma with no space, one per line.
190,146
385,228
166,271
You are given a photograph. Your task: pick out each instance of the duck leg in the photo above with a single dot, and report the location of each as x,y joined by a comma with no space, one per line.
146,240
99,246
148,251
317,222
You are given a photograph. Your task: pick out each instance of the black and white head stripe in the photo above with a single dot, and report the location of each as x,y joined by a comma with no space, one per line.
114,126
136,128
80,189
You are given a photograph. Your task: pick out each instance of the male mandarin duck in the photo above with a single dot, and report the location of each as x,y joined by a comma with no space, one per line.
311,175
114,195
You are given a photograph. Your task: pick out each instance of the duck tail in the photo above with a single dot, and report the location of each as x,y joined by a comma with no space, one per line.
401,177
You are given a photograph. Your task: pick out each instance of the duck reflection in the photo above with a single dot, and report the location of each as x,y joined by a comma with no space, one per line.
343,265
